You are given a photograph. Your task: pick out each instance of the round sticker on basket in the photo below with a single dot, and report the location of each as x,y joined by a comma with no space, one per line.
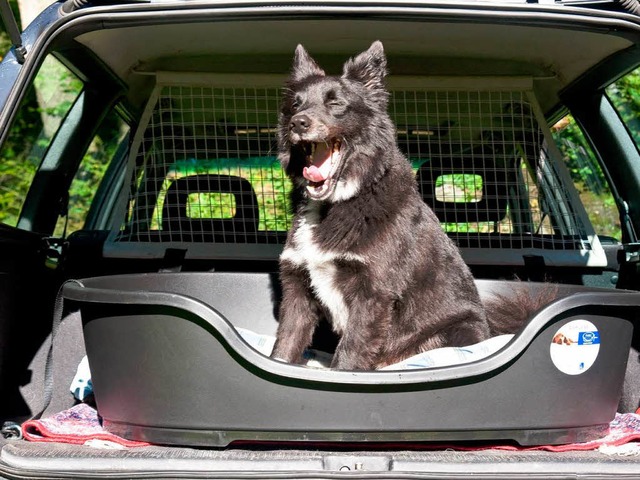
575,346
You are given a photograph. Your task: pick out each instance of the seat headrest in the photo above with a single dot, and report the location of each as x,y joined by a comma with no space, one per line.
487,204
175,211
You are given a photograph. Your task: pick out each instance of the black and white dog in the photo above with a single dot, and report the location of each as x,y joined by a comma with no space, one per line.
365,251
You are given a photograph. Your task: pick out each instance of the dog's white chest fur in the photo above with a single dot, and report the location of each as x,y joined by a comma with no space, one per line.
321,266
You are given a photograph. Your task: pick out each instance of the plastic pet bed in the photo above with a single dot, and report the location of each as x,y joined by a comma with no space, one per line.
168,366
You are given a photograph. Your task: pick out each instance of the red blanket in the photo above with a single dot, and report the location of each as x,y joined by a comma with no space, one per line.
81,423
76,425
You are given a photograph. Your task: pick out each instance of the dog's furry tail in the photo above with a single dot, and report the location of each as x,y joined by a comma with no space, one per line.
507,314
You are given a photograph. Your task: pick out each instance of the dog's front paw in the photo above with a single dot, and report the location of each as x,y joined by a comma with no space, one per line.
284,353
345,361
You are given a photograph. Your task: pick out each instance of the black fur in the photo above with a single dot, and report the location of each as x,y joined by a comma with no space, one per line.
364,251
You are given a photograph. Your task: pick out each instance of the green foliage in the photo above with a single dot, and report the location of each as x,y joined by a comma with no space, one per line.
211,205
92,168
5,43
588,178
625,96
19,159
459,188
42,110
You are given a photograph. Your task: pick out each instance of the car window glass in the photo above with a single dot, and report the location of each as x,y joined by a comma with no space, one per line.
110,135
39,116
588,177
625,97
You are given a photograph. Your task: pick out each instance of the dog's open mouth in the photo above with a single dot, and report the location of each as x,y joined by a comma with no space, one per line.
323,158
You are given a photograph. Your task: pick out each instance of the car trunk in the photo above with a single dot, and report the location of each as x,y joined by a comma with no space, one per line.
201,81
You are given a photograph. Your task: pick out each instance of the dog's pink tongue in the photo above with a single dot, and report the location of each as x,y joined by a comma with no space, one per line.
313,174
320,167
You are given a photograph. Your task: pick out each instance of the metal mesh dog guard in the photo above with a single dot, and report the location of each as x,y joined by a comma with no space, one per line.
203,172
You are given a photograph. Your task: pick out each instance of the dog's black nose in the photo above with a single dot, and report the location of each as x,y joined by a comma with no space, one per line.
300,123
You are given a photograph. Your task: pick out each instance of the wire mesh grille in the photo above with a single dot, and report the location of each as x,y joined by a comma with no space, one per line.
206,169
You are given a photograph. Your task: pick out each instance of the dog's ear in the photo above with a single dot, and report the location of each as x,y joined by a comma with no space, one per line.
368,68
304,66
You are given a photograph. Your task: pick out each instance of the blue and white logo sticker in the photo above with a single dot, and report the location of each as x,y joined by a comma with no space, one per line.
574,348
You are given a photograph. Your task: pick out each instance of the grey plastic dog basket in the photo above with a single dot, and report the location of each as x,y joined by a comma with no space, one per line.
169,367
